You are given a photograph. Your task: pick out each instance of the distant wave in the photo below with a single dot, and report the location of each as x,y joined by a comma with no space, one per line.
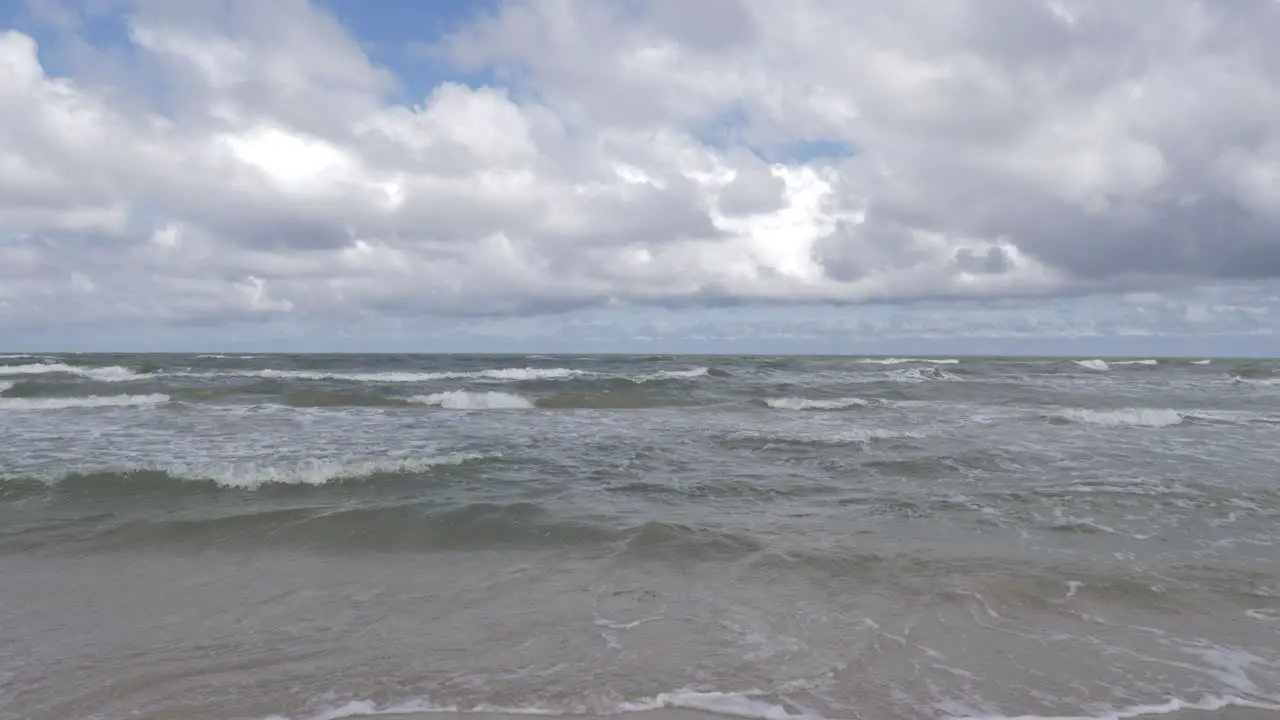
1147,361
89,401
463,400
112,373
506,374
928,374
1095,364
1134,417
904,361
1201,362
799,403
494,374
667,374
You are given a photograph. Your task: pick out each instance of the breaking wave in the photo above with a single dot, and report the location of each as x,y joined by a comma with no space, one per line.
514,374
90,401
498,374
799,403
112,373
1096,365
464,400
236,475
904,361
926,374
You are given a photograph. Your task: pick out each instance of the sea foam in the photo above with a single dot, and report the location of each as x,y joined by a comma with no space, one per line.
1135,417
799,403
89,401
252,476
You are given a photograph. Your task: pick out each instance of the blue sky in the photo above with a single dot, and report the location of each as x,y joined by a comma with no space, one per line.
649,176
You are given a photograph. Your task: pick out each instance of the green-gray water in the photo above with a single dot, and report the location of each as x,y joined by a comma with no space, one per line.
321,536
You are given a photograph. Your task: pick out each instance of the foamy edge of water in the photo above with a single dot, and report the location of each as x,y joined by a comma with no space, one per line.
745,705
1124,417
742,705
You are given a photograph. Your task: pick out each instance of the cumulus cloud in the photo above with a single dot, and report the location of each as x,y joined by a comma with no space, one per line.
643,153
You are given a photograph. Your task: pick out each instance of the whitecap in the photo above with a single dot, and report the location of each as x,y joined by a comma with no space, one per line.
500,374
1095,364
1201,362
903,361
1136,362
916,375
251,476
675,374
464,400
88,401
111,373
798,403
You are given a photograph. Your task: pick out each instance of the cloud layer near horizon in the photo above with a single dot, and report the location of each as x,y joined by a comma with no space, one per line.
250,160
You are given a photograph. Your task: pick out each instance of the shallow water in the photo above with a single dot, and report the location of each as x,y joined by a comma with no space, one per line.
313,536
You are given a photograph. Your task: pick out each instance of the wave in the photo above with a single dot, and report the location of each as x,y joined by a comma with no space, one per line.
182,477
746,705
904,361
500,374
463,400
112,373
1168,707
5,387
845,436
89,401
325,398
430,525
799,403
669,374
927,374
617,400
513,374
1132,417
1147,361
1096,365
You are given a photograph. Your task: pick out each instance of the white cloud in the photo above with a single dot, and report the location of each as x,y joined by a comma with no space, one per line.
1000,150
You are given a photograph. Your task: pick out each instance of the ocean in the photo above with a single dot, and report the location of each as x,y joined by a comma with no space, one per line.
313,537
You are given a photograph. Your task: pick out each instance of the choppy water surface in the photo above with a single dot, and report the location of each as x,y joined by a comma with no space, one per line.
313,536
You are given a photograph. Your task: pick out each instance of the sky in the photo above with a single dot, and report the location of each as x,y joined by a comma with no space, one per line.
962,176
